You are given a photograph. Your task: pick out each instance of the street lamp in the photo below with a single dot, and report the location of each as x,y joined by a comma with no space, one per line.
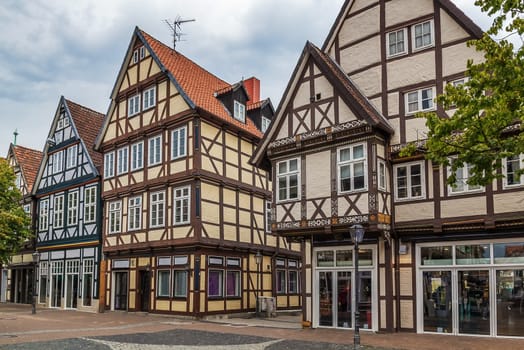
258,261
36,258
357,234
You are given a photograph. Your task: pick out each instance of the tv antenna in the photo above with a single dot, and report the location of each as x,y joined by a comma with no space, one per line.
177,29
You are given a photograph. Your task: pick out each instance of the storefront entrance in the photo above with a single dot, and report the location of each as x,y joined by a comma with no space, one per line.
120,288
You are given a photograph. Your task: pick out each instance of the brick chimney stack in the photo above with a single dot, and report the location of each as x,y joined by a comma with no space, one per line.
253,89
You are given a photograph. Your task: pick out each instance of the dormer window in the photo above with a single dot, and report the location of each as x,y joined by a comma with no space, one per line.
265,124
142,52
240,112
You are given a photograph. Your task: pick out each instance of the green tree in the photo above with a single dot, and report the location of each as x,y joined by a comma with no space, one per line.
488,123
14,222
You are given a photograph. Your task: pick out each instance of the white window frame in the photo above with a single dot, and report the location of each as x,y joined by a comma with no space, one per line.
239,111
58,162
137,156
142,52
264,124
466,188
88,269
58,211
267,216
431,34
122,160
351,163
160,283
133,105
519,160
404,32
176,288
135,56
287,175
418,93
149,98
179,143
90,204
181,201
382,176
115,217
72,208
155,150
134,213
71,157
109,165
409,184
43,217
157,209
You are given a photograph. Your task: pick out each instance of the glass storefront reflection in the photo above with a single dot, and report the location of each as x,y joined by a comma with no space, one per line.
437,301
510,303
474,302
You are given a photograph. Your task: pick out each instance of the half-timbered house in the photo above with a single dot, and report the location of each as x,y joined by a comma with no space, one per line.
17,277
435,258
69,209
186,223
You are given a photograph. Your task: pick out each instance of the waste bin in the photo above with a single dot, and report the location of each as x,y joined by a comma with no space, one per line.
266,306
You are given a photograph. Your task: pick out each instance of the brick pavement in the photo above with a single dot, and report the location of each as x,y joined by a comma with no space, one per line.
18,325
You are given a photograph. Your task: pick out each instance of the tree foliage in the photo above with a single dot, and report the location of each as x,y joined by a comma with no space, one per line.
14,222
488,121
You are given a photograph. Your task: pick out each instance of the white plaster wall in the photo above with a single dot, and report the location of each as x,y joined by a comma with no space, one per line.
318,170
403,10
345,114
411,70
508,202
369,81
416,129
458,207
367,23
323,87
454,58
393,103
302,96
413,211
295,212
395,138
450,29
361,54
377,103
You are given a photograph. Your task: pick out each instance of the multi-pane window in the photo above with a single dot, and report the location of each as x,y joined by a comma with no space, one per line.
409,181
224,280
233,283
72,208
109,165
122,160
215,283
293,281
72,155
287,280
115,216
134,213
462,175
163,279
155,150
267,221
422,34
265,124
137,156
58,160
58,211
178,143
239,111
288,173
149,97
420,100
180,283
133,105
352,168
157,205
43,215
281,281
87,282
396,42
381,175
512,168
181,200
90,204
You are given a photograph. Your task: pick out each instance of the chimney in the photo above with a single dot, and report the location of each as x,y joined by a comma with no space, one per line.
252,86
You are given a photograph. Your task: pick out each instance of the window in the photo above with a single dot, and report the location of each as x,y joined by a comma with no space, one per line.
155,150
268,217
142,52
122,160
288,173
58,160
233,283
115,216
281,282
135,56
72,155
265,124
420,100
178,143
134,213
58,211
352,168
396,42
109,165
461,184
90,204
240,112
137,156
181,205
149,98
215,288
43,215
409,181
87,282
422,34
133,105
381,175
157,209
163,283
18,182
180,283
72,208
512,167
27,208
293,281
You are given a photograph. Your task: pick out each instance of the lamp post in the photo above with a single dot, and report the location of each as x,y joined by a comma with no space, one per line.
357,234
258,261
36,258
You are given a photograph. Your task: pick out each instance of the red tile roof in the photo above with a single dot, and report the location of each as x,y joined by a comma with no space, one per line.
29,161
88,124
197,83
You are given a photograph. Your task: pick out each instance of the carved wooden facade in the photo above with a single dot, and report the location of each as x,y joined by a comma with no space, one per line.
185,211
69,210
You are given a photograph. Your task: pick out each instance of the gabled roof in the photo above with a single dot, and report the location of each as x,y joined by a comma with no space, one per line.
336,76
260,104
29,161
459,16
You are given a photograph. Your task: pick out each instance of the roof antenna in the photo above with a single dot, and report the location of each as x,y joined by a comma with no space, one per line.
16,134
176,28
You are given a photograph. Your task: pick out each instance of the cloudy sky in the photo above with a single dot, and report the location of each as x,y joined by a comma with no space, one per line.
50,48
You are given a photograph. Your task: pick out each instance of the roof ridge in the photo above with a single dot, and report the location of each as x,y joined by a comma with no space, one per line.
68,101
